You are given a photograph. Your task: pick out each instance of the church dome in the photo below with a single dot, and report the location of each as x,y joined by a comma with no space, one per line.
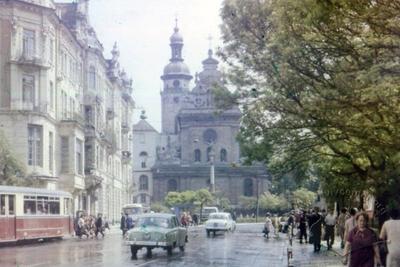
176,67
176,37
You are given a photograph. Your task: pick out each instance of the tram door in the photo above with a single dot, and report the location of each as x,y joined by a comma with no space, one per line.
7,217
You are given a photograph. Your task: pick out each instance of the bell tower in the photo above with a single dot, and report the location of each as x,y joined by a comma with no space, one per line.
176,80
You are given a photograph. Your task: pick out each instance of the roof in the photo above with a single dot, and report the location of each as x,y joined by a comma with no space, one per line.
143,126
33,191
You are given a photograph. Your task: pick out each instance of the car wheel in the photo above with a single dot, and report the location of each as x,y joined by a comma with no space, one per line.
186,239
134,250
169,251
149,253
182,248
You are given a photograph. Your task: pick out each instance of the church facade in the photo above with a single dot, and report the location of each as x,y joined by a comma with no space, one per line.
195,136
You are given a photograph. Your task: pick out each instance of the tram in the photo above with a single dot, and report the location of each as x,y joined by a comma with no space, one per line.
34,213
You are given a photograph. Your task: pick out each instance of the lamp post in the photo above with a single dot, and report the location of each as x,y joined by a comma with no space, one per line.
212,171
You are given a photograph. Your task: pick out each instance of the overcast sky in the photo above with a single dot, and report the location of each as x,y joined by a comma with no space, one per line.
142,29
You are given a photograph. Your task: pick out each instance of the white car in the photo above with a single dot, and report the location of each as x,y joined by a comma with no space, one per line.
220,221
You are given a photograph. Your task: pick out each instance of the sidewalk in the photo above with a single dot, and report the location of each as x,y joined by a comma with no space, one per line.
304,255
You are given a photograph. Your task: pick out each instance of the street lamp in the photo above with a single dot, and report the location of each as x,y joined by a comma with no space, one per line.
211,156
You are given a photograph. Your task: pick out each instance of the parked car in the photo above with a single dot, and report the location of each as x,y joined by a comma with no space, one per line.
157,230
220,221
206,211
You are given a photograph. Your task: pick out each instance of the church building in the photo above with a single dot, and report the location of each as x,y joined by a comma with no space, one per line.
195,140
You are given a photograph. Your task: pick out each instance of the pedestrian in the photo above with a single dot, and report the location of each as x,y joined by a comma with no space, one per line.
330,222
129,222
303,227
268,227
123,224
184,219
99,225
341,225
391,233
195,219
315,223
361,249
350,223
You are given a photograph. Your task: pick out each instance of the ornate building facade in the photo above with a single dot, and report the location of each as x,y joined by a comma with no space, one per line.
64,108
195,136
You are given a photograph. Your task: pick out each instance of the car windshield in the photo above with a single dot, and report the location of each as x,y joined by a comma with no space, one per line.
154,221
218,216
133,210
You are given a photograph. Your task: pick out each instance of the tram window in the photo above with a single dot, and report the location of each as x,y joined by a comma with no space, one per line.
67,210
54,205
11,205
29,205
2,205
42,205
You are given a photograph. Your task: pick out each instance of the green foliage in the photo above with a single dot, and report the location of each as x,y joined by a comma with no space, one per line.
159,207
202,196
273,203
303,198
319,87
12,171
248,203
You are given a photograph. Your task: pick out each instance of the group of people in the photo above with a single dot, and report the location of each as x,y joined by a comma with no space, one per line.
362,246
90,226
126,223
188,220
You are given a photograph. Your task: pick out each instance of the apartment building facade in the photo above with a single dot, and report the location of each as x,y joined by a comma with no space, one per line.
64,108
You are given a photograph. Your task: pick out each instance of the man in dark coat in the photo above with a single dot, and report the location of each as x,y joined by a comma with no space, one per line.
99,225
123,224
315,224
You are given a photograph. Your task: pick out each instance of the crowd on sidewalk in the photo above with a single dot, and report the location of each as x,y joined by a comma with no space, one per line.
360,245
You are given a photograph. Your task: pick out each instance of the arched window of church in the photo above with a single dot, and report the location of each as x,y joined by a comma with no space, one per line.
208,153
223,155
172,185
248,187
143,158
197,155
143,182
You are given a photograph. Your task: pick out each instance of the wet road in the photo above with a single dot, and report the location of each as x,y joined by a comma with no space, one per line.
244,247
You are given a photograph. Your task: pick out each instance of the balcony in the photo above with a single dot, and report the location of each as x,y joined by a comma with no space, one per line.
31,60
126,157
73,117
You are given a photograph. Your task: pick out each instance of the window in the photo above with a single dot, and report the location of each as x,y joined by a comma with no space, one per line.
29,205
172,185
28,88
28,43
42,205
79,156
143,157
64,154
54,205
223,155
142,198
51,160
67,206
92,78
7,205
248,187
34,145
144,182
2,205
51,96
197,155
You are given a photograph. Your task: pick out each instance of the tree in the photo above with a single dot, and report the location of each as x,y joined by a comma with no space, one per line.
173,199
274,203
247,203
303,198
203,196
319,86
12,171
159,207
